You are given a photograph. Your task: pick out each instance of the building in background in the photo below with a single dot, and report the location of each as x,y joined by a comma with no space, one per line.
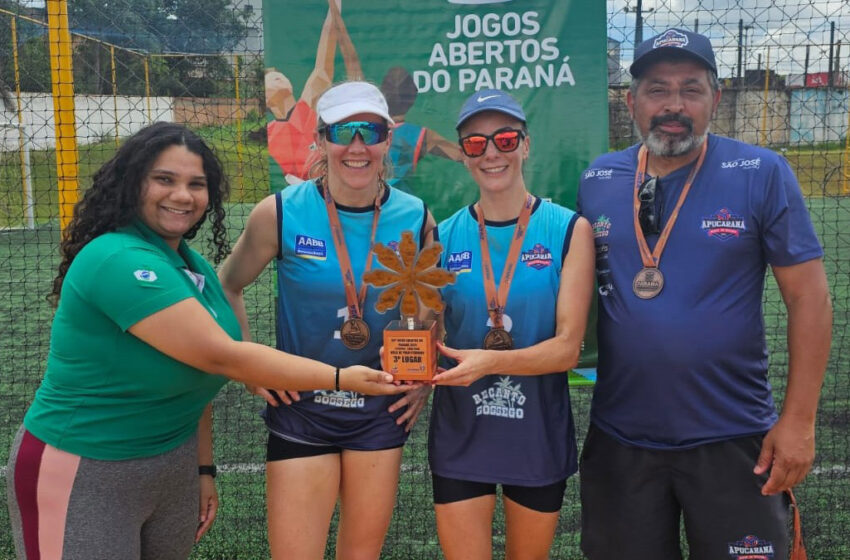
617,75
252,11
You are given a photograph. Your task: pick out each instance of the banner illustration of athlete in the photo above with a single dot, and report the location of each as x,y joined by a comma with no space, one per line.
290,134
410,141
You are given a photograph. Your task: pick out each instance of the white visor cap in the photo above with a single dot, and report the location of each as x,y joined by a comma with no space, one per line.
351,98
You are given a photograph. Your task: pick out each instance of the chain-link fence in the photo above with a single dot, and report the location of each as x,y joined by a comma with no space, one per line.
784,68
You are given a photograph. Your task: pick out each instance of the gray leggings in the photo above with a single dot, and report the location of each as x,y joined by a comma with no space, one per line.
113,510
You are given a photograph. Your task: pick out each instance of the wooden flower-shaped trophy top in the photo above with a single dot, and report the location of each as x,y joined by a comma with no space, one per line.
410,277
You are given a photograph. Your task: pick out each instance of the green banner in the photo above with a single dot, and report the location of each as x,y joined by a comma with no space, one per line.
428,56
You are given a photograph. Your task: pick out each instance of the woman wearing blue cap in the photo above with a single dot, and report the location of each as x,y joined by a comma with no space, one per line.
501,414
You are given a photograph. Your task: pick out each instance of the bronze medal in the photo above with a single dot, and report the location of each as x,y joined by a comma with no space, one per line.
497,298
648,283
498,339
354,333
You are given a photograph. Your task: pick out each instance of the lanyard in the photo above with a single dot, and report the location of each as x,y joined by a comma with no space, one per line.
353,300
652,259
497,300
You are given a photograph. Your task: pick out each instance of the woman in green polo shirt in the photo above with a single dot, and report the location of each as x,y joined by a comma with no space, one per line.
106,464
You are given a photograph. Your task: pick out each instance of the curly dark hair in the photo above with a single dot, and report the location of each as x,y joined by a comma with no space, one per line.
113,199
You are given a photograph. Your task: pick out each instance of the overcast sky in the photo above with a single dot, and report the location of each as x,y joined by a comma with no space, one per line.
786,26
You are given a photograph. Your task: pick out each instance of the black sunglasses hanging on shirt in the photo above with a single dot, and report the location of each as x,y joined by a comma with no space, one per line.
648,214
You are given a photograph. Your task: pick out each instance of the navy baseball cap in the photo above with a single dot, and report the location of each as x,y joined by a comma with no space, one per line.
490,100
691,44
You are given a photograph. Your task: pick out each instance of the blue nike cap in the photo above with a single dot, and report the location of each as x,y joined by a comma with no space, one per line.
490,100
688,43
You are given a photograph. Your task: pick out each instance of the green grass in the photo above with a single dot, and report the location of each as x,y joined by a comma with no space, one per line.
27,265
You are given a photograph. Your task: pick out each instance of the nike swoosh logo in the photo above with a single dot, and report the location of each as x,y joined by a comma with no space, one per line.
483,99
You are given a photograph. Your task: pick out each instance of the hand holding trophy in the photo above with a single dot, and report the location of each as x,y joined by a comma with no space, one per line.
410,344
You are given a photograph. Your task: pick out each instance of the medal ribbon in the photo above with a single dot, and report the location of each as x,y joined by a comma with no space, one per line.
497,300
353,300
652,259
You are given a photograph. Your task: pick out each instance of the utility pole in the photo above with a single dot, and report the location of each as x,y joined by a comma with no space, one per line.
638,10
831,53
740,47
806,68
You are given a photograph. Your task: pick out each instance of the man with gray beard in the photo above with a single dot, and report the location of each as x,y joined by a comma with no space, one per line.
683,423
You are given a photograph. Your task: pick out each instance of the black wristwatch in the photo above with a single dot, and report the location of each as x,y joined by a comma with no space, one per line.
207,469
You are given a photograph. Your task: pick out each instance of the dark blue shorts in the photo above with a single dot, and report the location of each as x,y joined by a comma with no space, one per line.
280,449
633,500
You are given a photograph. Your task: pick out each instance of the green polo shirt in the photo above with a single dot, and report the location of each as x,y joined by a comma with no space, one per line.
106,394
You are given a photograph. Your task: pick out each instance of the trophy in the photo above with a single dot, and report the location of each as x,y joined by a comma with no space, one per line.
410,344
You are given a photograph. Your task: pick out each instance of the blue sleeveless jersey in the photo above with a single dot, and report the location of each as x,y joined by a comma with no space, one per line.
405,151
311,308
689,366
502,429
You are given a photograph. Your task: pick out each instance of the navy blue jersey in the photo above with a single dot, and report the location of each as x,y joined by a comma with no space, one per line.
504,429
312,307
690,365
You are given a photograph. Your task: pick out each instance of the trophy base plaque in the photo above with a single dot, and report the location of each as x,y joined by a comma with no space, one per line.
411,354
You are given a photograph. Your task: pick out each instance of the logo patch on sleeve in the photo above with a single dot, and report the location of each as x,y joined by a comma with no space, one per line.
602,226
145,275
537,257
751,548
724,225
459,262
310,248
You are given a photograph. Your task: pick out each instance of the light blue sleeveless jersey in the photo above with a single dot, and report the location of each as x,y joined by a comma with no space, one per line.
502,429
311,308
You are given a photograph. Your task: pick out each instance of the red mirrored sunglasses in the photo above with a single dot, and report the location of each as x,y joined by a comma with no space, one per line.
505,140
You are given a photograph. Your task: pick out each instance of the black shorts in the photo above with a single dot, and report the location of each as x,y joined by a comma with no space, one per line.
280,449
633,499
545,499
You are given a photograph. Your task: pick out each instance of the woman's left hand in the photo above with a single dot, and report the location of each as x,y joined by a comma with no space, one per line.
414,399
471,366
208,505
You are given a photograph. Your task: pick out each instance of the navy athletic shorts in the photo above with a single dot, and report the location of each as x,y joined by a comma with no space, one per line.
633,499
280,449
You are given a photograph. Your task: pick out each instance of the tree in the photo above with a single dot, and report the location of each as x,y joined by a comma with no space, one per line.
155,26
165,26
33,58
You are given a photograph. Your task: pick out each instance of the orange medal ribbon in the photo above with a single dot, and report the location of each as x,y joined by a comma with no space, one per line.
651,259
649,281
497,300
353,300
